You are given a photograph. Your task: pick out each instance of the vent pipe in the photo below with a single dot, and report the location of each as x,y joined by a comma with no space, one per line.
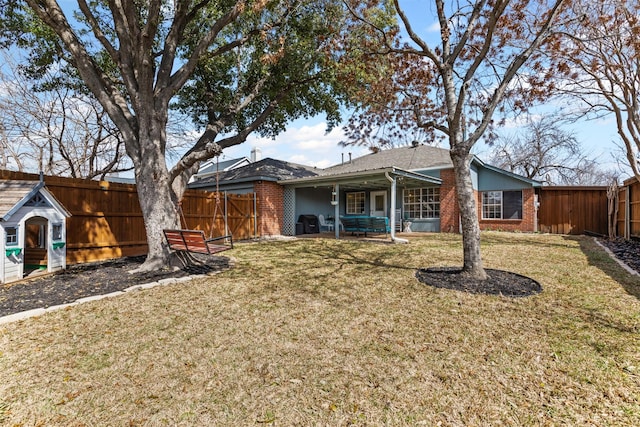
256,154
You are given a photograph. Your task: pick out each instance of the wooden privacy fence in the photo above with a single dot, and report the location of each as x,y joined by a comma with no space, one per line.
628,224
107,222
573,210
200,213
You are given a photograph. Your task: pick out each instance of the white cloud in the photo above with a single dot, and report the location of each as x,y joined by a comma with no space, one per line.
308,144
433,28
520,121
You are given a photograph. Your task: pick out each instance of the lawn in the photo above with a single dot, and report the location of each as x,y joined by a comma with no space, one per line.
325,332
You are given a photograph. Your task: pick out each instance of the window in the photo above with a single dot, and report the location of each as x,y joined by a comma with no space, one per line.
502,205
378,202
57,232
492,205
422,202
12,236
355,203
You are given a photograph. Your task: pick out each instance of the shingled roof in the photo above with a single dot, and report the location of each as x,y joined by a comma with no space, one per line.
267,169
407,158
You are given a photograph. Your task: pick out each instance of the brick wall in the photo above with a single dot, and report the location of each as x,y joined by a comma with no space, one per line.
270,201
526,224
449,212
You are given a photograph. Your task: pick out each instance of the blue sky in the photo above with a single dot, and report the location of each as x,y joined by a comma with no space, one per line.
306,142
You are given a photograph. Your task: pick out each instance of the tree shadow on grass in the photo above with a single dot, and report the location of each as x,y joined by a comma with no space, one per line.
598,257
499,282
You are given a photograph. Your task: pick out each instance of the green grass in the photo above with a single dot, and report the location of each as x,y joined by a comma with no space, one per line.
325,332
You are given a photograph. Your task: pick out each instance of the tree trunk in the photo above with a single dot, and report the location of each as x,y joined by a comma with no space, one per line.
472,267
158,203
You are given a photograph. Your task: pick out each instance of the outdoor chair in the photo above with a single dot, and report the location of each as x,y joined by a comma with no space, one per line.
323,223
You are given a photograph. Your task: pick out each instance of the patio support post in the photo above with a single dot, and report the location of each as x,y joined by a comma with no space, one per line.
336,212
392,211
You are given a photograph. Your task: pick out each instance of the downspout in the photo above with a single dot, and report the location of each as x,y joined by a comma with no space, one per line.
336,212
392,214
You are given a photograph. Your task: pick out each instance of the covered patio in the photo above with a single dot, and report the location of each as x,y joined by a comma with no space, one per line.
370,193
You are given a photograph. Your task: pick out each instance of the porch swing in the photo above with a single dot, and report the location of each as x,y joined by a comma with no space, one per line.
195,241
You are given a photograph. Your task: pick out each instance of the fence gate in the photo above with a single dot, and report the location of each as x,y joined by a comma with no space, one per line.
573,210
207,211
241,215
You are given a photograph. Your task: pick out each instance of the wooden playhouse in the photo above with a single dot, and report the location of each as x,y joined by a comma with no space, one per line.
32,230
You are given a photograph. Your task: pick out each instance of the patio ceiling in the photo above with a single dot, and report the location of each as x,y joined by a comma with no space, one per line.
369,180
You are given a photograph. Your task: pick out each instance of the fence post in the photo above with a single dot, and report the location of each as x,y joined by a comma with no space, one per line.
255,216
627,212
226,213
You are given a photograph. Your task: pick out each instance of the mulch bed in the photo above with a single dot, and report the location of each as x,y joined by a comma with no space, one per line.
499,282
627,251
84,280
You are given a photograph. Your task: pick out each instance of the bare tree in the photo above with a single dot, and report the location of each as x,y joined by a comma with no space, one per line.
57,131
453,86
600,59
11,151
544,151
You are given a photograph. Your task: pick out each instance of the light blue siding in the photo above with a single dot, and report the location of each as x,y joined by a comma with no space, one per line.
489,180
315,201
434,173
474,177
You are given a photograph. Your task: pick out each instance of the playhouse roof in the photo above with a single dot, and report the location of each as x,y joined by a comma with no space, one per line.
15,193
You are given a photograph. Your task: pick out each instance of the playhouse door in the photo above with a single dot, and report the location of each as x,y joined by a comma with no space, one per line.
35,245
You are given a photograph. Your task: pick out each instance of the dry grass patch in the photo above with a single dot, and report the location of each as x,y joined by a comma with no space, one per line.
325,332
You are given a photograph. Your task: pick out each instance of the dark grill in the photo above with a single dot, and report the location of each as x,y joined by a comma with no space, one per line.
309,224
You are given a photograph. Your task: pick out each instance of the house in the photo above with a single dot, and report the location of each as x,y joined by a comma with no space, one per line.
261,178
213,167
413,186
32,230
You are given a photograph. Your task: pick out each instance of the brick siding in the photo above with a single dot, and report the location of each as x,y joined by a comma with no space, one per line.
526,224
449,212
270,201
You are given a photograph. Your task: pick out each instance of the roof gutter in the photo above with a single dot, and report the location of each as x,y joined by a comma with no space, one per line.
392,213
348,176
